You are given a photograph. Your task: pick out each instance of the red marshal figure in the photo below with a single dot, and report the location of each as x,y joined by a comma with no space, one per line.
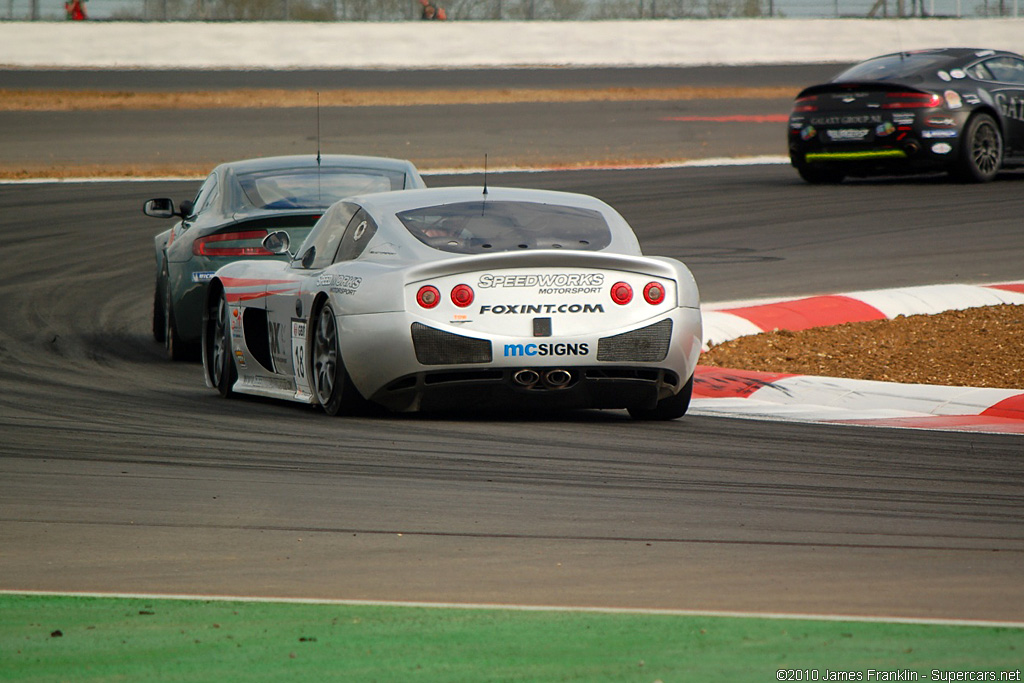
75,10
432,12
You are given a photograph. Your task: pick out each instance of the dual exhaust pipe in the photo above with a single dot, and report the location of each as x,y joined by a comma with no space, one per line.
555,378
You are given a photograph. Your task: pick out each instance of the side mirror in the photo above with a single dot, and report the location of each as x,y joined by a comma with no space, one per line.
309,257
277,242
159,208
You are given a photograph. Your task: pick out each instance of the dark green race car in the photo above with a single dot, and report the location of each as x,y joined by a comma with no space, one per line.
237,205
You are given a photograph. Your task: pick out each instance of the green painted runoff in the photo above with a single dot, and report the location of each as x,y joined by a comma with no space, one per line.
72,639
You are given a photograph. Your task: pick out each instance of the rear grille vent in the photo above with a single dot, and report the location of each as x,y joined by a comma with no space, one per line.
646,345
436,347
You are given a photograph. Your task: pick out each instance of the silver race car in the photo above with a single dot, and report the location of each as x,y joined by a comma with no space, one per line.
455,299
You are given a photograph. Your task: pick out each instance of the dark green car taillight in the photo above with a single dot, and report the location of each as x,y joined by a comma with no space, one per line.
232,244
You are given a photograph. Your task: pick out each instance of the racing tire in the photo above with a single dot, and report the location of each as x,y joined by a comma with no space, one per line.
159,333
667,408
332,385
817,175
218,360
177,350
981,151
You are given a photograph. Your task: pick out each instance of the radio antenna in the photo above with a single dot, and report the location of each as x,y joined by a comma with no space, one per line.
485,173
318,192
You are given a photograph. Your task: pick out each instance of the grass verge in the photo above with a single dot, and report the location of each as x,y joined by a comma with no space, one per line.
52,638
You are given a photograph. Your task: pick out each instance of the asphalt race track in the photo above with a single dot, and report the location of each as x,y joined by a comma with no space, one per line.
439,136
121,472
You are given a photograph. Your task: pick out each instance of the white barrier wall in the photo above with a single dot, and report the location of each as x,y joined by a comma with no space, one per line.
485,44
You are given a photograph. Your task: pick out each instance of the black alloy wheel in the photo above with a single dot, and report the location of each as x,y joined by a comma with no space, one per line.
219,364
177,350
981,151
331,384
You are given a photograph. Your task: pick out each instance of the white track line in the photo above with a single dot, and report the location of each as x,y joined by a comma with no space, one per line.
532,608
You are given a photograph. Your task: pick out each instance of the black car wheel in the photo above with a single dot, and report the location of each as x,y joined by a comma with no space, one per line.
818,175
331,384
172,345
159,322
219,364
175,347
667,408
981,151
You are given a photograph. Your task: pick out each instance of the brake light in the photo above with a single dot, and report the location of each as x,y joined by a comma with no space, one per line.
912,100
654,293
428,296
462,295
622,293
809,103
213,245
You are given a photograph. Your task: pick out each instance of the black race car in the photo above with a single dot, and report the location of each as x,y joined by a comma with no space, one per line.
957,110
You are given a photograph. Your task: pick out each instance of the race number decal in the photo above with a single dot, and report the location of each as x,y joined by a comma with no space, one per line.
302,389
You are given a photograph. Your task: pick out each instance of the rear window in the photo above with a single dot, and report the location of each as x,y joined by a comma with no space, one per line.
895,67
485,226
306,188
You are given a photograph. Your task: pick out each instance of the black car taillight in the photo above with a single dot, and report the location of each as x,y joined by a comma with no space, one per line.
809,103
912,100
